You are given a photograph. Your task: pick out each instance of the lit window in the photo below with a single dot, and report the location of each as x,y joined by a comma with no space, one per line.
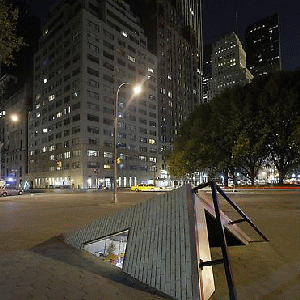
92,153
150,70
67,110
67,154
45,80
45,130
51,97
124,33
107,154
131,58
52,157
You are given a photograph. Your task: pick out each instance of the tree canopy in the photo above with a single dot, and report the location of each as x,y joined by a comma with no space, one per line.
243,128
9,40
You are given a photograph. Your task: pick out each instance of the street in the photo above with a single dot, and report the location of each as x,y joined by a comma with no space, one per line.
30,219
29,254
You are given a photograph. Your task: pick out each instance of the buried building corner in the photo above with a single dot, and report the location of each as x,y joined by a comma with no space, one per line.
162,242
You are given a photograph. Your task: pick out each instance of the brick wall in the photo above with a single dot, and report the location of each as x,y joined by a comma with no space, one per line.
161,250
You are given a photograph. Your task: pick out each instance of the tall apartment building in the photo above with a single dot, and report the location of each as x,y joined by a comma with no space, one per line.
228,65
88,49
174,28
263,46
13,137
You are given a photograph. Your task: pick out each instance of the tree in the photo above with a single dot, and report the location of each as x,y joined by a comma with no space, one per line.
191,151
243,128
280,107
249,150
9,40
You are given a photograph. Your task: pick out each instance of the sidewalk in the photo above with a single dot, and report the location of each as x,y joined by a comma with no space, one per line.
38,266
53,270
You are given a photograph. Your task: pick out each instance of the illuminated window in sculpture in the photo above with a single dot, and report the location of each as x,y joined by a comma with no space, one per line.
110,248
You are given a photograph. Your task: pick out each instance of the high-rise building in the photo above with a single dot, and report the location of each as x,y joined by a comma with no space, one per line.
207,72
228,65
90,54
263,46
174,28
16,99
13,137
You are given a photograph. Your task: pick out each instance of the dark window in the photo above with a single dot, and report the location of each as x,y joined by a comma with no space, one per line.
108,55
92,141
67,121
92,118
92,72
93,58
76,118
108,78
75,129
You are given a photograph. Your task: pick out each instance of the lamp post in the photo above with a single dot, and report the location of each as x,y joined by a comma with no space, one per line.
137,90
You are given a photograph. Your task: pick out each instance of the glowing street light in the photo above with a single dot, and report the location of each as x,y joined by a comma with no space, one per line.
136,90
14,118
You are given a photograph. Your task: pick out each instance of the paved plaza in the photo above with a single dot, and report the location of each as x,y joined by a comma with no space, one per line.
36,264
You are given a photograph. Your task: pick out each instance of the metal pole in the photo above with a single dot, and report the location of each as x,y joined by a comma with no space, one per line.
230,283
1,144
115,143
245,217
115,140
115,136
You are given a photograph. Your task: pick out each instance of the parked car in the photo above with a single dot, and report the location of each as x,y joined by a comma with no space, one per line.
10,191
144,187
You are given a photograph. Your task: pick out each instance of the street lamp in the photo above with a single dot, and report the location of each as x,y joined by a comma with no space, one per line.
136,90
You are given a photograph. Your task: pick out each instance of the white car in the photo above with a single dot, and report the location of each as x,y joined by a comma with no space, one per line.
10,191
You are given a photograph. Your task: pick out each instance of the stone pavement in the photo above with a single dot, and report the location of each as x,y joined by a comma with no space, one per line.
35,265
53,270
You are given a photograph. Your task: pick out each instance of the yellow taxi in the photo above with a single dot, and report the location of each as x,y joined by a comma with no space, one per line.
144,187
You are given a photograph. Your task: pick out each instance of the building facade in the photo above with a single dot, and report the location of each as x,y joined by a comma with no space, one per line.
207,72
174,30
91,54
13,137
263,46
228,65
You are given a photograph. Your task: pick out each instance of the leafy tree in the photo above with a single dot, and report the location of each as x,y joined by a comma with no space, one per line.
280,106
9,41
249,150
191,151
242,128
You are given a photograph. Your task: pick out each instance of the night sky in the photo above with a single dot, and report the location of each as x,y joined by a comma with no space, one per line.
219,18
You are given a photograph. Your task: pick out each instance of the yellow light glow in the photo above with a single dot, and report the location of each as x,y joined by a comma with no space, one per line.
137,90
14,118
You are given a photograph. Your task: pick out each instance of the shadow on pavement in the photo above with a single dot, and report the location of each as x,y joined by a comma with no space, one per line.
55,248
